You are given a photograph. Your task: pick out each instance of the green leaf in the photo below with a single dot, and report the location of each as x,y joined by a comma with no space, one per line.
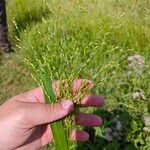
58,129
59,135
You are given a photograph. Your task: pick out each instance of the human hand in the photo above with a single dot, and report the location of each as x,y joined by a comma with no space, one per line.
24,118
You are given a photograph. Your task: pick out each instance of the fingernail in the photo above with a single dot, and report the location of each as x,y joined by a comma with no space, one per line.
67,104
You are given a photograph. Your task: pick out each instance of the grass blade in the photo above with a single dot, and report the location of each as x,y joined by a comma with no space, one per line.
58,129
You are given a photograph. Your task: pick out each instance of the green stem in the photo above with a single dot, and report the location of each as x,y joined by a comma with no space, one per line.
59,135
58,130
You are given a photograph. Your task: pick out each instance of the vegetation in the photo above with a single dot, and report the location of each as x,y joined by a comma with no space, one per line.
105,41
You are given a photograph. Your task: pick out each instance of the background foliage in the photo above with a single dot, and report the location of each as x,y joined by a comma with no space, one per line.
114,34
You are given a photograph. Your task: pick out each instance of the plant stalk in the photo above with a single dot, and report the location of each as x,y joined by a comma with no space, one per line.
58,130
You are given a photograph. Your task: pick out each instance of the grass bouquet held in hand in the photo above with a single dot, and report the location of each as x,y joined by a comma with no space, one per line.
57,85
55,91
64,55
56,71
58,90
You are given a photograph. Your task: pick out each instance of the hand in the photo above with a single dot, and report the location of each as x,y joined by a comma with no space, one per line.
24,118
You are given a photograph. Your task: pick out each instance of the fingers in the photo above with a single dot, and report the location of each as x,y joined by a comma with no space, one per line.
78,83
37,95
88,119
38,113
76,135
80,136
92,100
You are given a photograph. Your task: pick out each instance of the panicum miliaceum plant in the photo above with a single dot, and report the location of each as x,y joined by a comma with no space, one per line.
65,67
63,55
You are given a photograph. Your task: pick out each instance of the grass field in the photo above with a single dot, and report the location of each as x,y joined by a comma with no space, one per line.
114,34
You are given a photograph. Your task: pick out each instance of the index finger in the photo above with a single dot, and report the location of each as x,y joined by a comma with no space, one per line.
78,84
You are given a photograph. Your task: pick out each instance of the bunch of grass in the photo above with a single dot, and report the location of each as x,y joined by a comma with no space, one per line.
46,67
65,52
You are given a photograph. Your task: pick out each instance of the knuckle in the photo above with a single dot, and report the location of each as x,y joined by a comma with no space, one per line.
52,111
49,109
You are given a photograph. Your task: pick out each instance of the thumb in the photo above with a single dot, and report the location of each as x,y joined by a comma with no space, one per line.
40,113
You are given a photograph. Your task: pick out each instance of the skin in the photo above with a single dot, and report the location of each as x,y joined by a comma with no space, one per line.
24,118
